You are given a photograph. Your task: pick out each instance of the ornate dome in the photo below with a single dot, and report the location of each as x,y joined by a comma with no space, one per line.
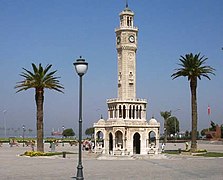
101,121
153,121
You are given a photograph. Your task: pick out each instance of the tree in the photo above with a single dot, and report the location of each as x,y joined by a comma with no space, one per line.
203,132
187,133
40,79
172,125
68,132
193,67
213,126
89,131
165,115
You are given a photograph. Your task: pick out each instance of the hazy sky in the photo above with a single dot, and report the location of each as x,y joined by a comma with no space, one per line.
58,32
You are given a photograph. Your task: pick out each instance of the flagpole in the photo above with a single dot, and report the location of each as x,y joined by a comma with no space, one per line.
209,116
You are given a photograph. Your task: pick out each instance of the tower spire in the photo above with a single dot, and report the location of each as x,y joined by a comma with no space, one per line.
126,4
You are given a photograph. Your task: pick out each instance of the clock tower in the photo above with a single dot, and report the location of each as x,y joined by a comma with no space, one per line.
126,106
126,131
126,45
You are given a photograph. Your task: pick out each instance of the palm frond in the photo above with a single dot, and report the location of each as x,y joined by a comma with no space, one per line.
40,78
29,72
35,69
47,68
193,66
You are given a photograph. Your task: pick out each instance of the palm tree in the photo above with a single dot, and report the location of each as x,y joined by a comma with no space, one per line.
39,79
166,115
193,67
172,125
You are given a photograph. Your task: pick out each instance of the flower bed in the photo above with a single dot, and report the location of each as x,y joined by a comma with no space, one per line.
37,153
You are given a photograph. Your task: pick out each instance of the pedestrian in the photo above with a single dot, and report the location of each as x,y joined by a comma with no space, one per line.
162,147
186,144
32,145
92,145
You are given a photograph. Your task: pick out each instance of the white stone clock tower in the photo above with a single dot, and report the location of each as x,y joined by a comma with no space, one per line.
126,131
126,45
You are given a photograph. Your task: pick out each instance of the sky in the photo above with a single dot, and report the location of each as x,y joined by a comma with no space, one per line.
58,32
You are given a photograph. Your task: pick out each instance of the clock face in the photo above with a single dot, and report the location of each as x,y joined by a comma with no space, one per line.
131,39
118,40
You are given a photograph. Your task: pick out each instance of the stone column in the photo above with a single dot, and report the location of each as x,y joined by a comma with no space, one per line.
117,107
106,143
95,145
127,112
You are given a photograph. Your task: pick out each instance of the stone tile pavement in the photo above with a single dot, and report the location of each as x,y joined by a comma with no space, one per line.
15,167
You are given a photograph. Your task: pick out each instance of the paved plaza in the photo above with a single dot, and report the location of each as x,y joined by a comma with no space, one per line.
15,167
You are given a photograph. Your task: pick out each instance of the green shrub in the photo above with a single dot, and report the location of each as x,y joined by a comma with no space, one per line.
200,151
211,154
34,153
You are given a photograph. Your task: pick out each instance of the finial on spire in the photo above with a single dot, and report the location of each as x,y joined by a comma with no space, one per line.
126,4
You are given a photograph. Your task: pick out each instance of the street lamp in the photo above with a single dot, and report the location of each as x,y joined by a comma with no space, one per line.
175,128
4,112
175,122
81,67
23,134
63,135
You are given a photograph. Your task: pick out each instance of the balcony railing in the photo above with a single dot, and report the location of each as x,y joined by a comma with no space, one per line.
126,100
126,28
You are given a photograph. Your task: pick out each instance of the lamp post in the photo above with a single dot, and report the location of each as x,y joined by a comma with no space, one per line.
4,112
175,128
81,67
62,135
23,135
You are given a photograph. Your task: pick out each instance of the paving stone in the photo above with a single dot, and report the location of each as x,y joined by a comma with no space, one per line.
168,167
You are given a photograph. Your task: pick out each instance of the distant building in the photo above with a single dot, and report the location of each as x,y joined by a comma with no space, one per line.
214,134
56,133
126,131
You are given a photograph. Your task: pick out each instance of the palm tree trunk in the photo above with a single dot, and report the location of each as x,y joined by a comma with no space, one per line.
193,87
39,123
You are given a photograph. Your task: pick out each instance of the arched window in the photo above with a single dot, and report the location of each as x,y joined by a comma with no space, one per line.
128,21
152,138
119,139
130,112
100,138
140,112
120,111
133,112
